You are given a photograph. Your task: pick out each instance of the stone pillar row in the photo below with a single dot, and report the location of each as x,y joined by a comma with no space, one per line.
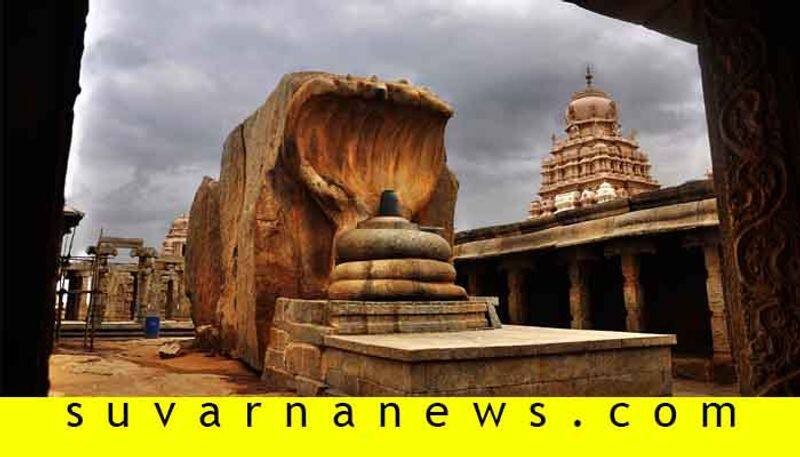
633,292
579,293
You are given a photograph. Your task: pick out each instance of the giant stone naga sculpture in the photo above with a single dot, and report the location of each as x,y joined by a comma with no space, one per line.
305,167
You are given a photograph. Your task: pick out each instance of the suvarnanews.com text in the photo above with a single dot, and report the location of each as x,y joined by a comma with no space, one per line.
385,414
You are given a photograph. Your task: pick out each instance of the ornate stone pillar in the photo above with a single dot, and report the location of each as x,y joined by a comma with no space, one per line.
579,296
100,283
723,361
749,62
144,273
100,298
632,292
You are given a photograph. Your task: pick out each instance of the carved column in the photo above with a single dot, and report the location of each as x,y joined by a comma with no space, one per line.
632,292
749,62
723,361
579,298
100,280
143,277
100,299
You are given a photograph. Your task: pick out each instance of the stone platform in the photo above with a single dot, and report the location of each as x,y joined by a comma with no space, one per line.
306,352
510,361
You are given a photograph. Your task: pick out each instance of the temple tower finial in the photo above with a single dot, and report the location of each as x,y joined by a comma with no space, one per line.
589,75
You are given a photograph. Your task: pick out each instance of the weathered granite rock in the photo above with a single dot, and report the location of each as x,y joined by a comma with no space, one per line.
440,210
170,350
206,338
309,164
203,269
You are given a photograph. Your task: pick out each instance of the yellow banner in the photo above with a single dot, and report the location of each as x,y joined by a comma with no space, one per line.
409,427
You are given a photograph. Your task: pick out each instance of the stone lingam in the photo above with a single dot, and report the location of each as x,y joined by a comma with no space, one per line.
388,258
396,324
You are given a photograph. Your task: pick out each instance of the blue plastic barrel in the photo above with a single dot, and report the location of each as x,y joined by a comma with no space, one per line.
152,325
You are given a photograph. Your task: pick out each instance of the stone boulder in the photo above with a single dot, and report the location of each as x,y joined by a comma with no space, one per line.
170,350
307,165
203,270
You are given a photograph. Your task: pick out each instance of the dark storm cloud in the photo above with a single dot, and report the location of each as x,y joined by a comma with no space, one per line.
164,82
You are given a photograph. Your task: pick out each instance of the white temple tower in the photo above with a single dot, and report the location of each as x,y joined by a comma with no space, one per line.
594,163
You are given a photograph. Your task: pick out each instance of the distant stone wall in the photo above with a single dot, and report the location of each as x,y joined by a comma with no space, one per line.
119,294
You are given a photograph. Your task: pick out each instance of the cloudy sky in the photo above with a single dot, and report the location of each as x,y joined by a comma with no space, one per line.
165,81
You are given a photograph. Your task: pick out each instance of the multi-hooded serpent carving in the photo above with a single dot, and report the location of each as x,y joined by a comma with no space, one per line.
307,166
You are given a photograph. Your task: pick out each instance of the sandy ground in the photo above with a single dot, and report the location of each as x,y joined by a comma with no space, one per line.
133,368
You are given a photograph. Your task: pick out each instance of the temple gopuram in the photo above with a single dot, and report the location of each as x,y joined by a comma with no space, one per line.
174,243
594,163
604,247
